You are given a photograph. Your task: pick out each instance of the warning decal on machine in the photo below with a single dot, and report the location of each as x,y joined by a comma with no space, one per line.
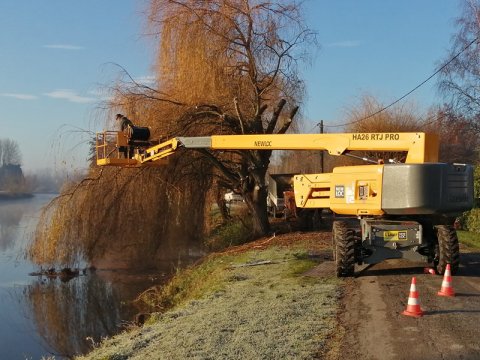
339,191
395,235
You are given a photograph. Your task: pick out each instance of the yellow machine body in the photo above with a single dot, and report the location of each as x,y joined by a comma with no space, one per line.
420,147
348,190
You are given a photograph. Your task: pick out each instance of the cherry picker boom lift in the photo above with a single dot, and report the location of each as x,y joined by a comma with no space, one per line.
382,211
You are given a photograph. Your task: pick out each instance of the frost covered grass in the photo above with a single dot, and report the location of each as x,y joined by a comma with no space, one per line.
243,310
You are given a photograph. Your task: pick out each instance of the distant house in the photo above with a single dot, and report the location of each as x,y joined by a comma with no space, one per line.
11,177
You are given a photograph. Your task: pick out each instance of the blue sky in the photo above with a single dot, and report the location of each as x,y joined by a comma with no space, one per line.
55,55
382,48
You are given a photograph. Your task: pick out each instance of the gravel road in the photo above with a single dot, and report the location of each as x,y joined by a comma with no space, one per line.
376,329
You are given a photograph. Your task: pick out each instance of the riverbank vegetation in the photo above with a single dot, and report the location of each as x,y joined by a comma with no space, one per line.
236,229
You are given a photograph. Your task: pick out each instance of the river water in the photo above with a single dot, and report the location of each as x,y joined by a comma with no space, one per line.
41,316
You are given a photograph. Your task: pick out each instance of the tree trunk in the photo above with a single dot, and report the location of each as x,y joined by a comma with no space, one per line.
256,201
222,204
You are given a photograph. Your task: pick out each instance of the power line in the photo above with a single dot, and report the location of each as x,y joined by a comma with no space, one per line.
411,91
435,118
313,128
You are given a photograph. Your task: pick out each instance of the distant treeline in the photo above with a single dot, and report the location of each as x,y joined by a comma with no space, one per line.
47,181
12,179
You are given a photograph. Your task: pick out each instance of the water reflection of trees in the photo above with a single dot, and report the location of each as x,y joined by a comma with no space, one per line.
10,217
67,313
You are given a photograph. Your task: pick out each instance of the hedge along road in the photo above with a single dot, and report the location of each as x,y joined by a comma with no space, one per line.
371,325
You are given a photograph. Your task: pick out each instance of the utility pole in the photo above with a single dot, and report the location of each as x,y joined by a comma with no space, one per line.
317,214
320,126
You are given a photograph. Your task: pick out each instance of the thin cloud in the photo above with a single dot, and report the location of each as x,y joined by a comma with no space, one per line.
147,80
345,44
63,47
69,95
20,96
103,95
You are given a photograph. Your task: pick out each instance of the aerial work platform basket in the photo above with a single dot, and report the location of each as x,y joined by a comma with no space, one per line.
112,148
119,148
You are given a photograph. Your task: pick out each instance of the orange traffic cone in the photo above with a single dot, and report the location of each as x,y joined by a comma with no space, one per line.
447,289
413,306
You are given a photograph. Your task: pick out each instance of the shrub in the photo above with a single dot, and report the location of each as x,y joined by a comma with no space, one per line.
236,231
470,220
473,220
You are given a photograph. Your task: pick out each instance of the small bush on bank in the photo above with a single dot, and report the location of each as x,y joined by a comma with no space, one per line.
236,231
187,284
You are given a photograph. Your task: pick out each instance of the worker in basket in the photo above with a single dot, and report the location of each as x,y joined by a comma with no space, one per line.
125,124
138,136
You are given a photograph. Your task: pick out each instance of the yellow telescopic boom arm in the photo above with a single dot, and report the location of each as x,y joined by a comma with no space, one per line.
420,147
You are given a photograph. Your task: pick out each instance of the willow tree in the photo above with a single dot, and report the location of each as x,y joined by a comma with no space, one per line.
231,67
222,67
126,218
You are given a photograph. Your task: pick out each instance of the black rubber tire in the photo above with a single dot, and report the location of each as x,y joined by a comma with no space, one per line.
344,249
447,250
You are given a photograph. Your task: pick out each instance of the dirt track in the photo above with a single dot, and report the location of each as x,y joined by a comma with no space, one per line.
376,329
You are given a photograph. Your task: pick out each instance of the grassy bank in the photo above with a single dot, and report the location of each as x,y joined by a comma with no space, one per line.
246,303
468,238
